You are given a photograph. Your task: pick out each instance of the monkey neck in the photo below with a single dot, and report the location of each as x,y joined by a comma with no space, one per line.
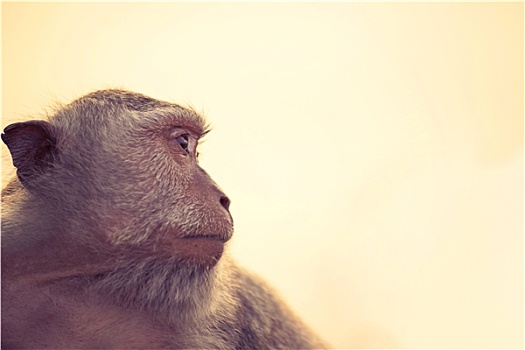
32,248
45,262
178,294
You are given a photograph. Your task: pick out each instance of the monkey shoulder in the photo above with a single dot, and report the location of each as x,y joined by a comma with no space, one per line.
264,321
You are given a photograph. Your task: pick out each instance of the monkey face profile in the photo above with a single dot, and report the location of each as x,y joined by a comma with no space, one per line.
132,174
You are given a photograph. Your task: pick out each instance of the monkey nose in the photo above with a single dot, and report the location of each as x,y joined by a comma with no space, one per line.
225,202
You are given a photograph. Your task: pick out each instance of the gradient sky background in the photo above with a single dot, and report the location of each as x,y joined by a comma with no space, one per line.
373,152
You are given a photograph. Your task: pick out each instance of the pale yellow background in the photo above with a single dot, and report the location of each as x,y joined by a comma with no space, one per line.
373,152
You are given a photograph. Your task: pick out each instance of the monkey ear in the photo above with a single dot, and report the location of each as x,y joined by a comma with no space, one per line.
33,148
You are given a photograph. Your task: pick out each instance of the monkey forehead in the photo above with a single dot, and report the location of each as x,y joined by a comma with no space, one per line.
125,99
107,106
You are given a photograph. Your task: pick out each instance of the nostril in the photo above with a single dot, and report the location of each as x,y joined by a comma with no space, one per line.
225,202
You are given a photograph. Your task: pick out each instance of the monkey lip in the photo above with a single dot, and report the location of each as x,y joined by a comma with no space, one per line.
195,249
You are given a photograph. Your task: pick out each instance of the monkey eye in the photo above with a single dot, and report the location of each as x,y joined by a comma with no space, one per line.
183,141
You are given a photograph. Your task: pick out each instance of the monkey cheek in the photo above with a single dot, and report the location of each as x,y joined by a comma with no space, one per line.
196,252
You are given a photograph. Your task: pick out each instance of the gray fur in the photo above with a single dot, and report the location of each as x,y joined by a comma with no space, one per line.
88,232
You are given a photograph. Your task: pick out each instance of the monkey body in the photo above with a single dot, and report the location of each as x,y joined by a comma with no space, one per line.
64,316
114,237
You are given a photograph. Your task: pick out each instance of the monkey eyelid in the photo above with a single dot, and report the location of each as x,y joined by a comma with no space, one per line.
192,139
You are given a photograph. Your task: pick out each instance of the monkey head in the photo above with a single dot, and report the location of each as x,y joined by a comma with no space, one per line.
119,171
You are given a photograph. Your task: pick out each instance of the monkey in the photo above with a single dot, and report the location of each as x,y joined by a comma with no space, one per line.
114,237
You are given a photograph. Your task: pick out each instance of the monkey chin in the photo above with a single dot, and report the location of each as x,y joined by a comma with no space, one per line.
200,252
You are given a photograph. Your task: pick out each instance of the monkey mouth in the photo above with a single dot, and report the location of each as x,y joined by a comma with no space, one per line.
197,250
